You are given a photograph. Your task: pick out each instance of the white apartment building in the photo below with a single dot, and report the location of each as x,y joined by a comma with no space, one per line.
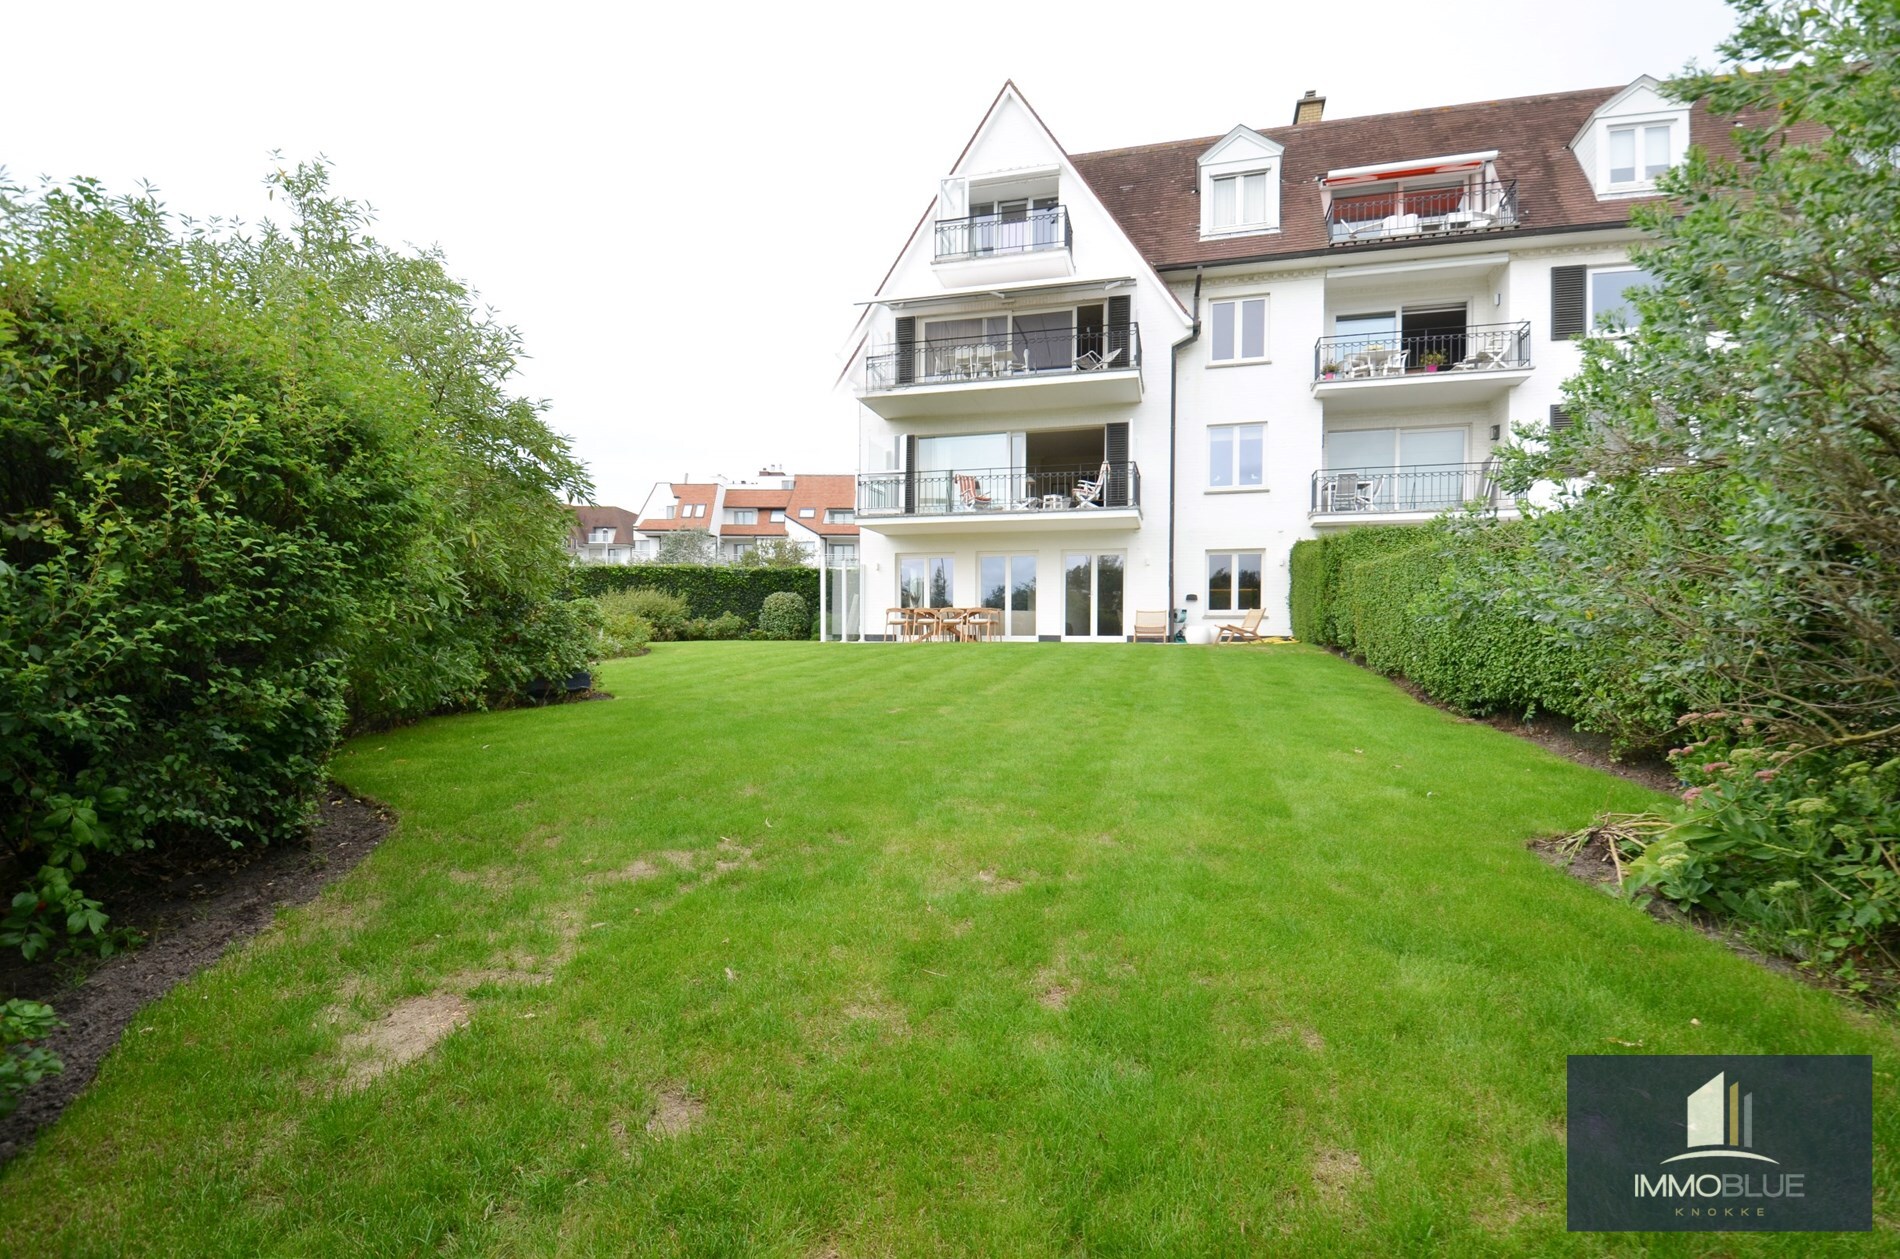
1092,384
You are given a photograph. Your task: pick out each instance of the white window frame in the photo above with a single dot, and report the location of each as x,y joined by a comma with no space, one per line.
1590,296
742,515
1233,580
1230,433
1240,303
806,513
841,516
600,535
1678,124
1238,154
778,517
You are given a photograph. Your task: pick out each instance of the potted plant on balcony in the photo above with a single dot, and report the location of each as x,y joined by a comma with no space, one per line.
1328,371
1433,360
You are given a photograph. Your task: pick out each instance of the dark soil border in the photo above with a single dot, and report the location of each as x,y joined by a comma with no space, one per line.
188,913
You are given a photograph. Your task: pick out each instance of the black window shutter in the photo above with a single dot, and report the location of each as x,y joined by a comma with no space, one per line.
910,474
906,350
1566,303
1559,419
1118,334
1115,450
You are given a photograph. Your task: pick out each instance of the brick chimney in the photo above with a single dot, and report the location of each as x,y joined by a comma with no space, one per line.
1308,108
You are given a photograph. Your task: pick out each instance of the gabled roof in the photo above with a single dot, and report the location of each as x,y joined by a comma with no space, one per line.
588,518
819,492
686,494
1153,190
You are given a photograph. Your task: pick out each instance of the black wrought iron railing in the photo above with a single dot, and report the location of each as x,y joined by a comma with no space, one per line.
1004,356
1400,212
993,235
962,491
1415,487
1475,348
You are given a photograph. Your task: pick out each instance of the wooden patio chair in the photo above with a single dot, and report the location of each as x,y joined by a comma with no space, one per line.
1248,631
1089,493
1151,627
970,495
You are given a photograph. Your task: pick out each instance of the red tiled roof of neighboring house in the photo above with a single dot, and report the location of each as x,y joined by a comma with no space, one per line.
588,518
818,492
1153,190
686,494
774,498
764,529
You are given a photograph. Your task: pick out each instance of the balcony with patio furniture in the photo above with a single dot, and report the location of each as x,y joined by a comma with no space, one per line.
1447,361
1403,494
1004,364
1029,496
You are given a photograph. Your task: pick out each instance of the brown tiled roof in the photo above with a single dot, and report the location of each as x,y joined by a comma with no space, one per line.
1153,190
686,494
819,491
764,529
619,519
773,498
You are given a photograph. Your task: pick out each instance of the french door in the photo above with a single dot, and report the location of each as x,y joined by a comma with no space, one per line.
1092,595
1008,583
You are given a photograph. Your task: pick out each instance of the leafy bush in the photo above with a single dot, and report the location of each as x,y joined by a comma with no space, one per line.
725,627
250,487
22,1021
1806,849
709,591
785,615
625,628
666,612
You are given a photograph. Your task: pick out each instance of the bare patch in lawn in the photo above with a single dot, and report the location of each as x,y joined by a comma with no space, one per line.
1053,988
675,1112
411,1029
636,871
468,980
678,858
993,882
1336,1173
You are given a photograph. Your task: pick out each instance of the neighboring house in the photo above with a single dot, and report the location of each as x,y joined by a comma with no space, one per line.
817,513
1099,383
603,535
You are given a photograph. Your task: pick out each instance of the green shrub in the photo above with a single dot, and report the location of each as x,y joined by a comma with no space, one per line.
725,627
666,612
250,487
785,615
709,590
624,628
1806,849
20,1068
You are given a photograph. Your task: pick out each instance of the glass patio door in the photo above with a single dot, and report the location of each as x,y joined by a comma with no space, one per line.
1008,583
1092,596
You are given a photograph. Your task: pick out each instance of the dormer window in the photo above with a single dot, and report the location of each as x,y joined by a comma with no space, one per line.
600,535
1240,185
1631,139
1639,153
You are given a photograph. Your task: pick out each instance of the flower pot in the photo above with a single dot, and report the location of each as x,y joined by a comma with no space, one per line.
1431,367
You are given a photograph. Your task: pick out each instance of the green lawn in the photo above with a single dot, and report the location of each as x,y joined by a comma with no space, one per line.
807,950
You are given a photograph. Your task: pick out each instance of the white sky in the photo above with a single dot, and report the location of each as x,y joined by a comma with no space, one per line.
678,206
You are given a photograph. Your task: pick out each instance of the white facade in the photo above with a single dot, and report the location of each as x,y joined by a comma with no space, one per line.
1273,399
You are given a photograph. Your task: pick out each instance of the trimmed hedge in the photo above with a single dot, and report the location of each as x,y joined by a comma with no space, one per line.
1448,609
710,591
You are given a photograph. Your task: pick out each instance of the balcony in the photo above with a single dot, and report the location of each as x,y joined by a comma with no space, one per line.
1036,497
1406,494
1006,247
1006,373
1450,365
1414,213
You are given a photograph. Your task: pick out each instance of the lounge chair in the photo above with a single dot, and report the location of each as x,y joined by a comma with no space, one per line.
1089,493
970,495
1248,631
1151,627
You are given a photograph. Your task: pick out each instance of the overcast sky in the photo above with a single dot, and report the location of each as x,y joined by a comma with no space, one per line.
678,205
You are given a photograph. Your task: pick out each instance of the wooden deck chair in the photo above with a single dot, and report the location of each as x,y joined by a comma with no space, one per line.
1089,493
970,494
1151,627
1248,631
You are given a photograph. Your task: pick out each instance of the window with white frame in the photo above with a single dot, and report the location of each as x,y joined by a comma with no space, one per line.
1238,330
1240,184
840,515
600,535
742,515
1233,580
807,513
672,510
1639,154
1236,455
1610,289
778,517
699,511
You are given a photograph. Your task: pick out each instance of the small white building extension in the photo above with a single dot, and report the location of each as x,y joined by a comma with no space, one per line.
1097,384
